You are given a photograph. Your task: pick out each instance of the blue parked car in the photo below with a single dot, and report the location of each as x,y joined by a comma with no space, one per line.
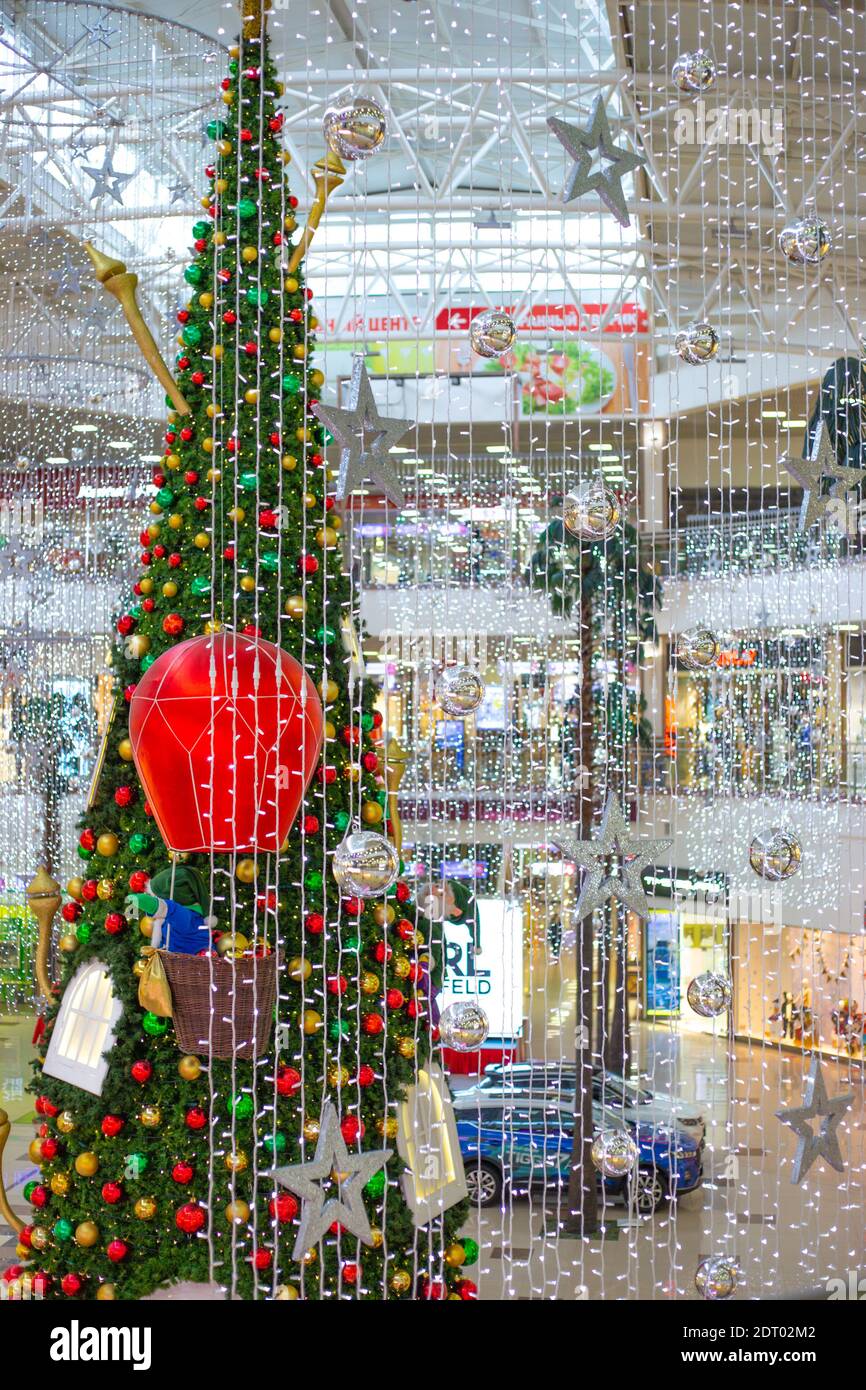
519,1145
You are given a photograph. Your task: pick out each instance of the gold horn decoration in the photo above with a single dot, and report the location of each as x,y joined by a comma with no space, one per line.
43,899
117,280
328,174
255,16
5,1209
396,759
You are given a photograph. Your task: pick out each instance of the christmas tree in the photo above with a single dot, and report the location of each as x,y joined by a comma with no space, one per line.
168,1173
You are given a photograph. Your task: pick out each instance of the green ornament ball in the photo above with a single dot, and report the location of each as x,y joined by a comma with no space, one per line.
291,384
139,843
249,481
84,853
270,561
241,1106
338,1028
165,497
216,129
274,1143
247,209
351,943
201,230
470,1248
341,820
313,880
135,1165
193,276
147,661
192,335
200,585
83,932
366,722
154,1026
325,635
257,297
375,1186
29,1188
63,1229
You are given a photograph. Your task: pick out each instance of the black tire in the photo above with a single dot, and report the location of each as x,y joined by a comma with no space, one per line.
484,1184
650,1191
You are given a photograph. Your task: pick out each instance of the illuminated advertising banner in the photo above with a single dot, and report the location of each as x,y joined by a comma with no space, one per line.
493,975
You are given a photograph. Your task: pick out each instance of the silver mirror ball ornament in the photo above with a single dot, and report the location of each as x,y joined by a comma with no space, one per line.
463,1026
709,994
355,129
717,1277
365,864
492,333
694,72
459,690
775,854
805,240
697,649
591,511
614,1153
696,344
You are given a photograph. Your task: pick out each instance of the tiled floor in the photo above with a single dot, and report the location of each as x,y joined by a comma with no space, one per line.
787,1238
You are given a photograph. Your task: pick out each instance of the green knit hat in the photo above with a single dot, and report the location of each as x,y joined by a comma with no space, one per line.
188,888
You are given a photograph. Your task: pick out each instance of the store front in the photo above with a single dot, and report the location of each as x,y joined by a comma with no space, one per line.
798,988
685,935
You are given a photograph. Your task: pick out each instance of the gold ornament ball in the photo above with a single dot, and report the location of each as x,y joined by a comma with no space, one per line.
236,1162
299,352
275,335
376,1238
285,1292
245,871
317,378
326,537
232,945
406,1047
311,1021
338,1076
86,1164
299,969
201,539
21,1252
169,589
383,914
206,300
290,463
106,1293
139,646
248,583
237,514
145,926
401,1281
238,1212
369,982
251,395
455,1256
105,889
153,532
402,966
138,968
310,1256
249,254
35,1151
371,813
146,584
150,1116
74,887
60,1184
387,1128
212,625
66,1122
311,1130
352,772
189,1068
329,690
291,284
145,1208
40,1238
295,606
176,522
108,844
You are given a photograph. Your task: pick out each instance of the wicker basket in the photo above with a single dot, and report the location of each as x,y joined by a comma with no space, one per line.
222,1008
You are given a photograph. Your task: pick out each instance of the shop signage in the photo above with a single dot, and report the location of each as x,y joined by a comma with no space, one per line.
679,883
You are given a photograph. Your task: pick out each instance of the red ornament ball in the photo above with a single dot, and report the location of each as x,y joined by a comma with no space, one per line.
350,1272
124,796
352,1128
189,1218
195,1117
141,1071
50,1147
284,1207
262,1259
117,1250
138,881
395,999
71,911
288,1081
173,624
39,1196
183,1173
366,1075
111,1126
373,1024
72,1284
111,1193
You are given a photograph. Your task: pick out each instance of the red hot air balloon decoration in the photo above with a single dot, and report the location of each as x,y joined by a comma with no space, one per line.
226,732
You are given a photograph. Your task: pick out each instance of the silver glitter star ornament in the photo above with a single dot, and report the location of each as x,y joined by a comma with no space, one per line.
349,1171
365,436
810,473
615,838
107,181
600,165
824,1144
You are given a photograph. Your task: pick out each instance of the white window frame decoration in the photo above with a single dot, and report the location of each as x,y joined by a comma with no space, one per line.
84,1029
428,1143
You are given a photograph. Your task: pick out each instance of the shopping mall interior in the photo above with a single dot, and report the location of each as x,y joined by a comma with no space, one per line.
586,637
